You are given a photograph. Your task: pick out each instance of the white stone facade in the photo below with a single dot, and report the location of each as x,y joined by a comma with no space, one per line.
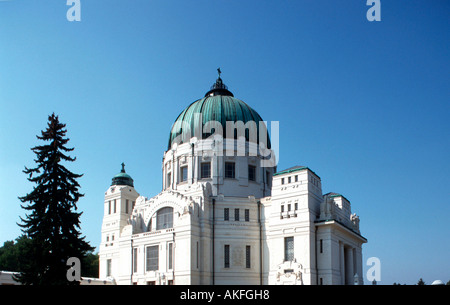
223,219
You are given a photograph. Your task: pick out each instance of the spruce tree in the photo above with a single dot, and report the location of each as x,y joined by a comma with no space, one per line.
52,223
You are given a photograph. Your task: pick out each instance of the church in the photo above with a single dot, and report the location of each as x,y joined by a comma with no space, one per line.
225,215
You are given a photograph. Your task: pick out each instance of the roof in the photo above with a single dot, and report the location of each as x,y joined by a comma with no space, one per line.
332,195
122,178
218,105
294,169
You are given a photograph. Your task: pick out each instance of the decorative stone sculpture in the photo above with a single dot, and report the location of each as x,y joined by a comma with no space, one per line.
327,208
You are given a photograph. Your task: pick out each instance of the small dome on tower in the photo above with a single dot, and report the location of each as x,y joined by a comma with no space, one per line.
122,178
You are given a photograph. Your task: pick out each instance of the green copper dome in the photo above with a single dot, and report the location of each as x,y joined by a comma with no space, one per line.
122,178
219,105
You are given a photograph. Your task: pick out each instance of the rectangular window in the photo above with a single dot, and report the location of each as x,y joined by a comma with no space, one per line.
296,206
226,214
282,180
108,267
152,258
289,248
109,207
230,170
289,179
205,171
296,178
184,173
251,173
282,208
247,257
170,256
289,207
135,258
115,206
321,246
126,206
247,215
226,256
236,214
169,179
268,181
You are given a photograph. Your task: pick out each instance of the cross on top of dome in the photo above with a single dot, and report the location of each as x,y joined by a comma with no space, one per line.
219,88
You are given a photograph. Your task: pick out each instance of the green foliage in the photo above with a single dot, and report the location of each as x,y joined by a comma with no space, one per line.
52,223
89,265
421,282
11,252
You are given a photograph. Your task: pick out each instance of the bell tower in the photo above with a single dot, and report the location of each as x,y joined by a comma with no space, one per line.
118,207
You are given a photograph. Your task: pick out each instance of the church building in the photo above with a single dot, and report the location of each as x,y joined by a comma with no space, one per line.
225,215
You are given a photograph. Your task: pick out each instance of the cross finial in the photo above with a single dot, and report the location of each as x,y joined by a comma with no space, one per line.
218,71
123,167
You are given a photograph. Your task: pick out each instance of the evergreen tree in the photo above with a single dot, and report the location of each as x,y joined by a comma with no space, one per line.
52,224
420,282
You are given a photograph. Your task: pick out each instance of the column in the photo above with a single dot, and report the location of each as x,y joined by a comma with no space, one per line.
342,262
349,265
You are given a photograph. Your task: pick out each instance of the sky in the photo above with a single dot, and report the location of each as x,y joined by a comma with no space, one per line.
364,104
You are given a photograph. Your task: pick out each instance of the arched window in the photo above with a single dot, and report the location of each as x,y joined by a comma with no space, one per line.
164,218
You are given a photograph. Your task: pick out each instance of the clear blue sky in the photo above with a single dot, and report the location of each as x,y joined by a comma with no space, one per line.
363,104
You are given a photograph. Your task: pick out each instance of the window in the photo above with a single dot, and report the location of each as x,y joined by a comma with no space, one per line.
236,214
197,255
268,182
226,256
164,218
108,267
247,215
289,248
282,208
184,173
135,252
169,179
296,178
109,207
226,214
251,173
170,256
230,170
289,207
152,258
126,206
296,205
289,179
321,246
247,257
282,180
115,206
205,171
